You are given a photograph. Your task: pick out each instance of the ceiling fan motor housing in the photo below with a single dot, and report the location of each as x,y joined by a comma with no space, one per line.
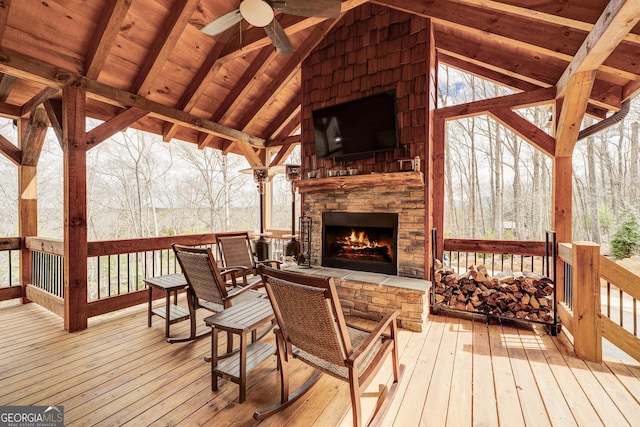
257,12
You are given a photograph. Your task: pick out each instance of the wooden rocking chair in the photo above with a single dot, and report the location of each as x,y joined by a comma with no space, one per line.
236,253
206,287
312,329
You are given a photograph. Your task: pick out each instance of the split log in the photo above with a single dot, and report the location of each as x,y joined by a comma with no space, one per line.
508,294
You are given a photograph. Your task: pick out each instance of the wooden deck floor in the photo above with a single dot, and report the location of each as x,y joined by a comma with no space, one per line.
457,373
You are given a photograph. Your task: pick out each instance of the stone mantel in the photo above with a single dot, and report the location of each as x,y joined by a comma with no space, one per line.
358,181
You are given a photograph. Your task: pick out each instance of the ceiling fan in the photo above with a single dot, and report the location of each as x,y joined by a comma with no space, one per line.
261,13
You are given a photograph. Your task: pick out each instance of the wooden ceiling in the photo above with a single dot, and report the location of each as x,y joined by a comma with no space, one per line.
146,64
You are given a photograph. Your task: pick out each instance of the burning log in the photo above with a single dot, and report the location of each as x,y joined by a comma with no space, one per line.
526,296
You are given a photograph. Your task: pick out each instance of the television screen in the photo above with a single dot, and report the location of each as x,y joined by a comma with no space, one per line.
356,129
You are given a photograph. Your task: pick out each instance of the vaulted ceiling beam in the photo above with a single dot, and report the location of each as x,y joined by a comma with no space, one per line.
531,13
170,33
199,83
519,64
33,69
236,94
286,122
104,37
286,72
4,13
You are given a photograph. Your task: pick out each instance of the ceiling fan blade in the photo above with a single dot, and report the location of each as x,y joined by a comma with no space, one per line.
279,38
315,8
223,23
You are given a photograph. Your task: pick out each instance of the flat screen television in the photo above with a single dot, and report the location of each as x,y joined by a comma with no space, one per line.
356,129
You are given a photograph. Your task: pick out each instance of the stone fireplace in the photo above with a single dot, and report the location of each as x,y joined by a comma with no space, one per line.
358,58
370,195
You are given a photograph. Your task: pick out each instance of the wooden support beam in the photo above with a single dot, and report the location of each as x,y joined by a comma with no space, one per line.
116,124
34,137
10,151
587,332
616,21
53,108
518,100
180,14
573,110
10,111
75,209
27,207
6,84
39,98
39,71
104,37
526,130
282,155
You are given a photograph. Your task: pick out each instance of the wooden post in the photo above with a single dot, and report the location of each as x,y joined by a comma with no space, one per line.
28,206
433,159
587,331
75,209
562,210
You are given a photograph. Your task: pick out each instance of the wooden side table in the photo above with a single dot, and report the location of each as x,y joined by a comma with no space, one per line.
171,283
241,319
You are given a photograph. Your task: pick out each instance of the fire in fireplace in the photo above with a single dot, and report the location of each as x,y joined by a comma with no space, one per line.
360,241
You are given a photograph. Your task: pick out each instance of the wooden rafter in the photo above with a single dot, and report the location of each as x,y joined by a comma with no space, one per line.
105,35
287,120
543,16
171,30
243,86
520,65
33,69
198,84
4,13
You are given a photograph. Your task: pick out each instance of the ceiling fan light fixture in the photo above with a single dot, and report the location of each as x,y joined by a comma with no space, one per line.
256,12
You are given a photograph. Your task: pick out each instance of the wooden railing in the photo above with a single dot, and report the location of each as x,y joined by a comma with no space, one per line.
599,298
600,301
596,298
116,269
10,268
496,255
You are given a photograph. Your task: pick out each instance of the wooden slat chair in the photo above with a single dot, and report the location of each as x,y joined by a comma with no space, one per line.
312,329
206,287
236,253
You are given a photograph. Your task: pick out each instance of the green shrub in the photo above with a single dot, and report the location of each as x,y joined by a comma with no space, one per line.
626,239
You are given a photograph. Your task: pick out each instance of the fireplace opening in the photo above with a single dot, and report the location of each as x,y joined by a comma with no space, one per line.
360,241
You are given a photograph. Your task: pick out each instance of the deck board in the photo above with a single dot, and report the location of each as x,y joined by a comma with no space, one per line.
457,372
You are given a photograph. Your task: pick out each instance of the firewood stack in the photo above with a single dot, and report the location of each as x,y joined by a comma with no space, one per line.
527,296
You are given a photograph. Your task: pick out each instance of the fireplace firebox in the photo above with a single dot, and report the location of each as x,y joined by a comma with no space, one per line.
360,241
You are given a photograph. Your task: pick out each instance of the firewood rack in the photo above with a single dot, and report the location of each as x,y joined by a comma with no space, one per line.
554,326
